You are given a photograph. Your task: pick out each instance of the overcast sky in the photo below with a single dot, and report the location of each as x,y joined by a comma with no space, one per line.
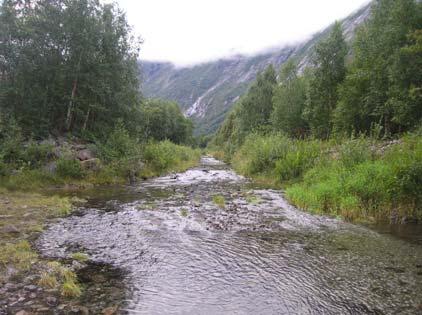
191,31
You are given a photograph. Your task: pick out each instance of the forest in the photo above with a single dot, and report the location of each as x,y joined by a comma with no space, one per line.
63,87
345,134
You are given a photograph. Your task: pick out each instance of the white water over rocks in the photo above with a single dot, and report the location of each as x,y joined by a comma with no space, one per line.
183,254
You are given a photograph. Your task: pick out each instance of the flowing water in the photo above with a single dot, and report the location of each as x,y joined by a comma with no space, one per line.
253,253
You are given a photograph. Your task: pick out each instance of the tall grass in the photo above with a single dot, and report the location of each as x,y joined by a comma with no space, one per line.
120,157
277,156
161,157
357,179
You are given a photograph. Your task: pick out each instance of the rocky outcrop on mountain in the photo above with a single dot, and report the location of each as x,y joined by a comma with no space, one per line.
206,92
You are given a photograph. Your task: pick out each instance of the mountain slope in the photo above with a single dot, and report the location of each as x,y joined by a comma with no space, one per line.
206,92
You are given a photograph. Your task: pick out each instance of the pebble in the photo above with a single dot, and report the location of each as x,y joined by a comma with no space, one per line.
51,300
80,310
110,310
31,288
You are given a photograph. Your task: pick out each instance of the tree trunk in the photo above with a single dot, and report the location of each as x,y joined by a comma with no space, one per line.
86,119
69,116
70,107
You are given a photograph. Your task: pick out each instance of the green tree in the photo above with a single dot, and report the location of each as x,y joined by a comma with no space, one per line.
256,106
329,71
163,120
383,84
289,102
67,65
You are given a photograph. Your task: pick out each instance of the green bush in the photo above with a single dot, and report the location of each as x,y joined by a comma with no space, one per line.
69,168
260,153
356,151
163,156
3,167
119,145
301,156
365,184
36,155
28,179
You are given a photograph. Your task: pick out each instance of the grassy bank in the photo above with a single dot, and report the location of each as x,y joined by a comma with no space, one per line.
357,179
18,260
24,212
30,167
115,163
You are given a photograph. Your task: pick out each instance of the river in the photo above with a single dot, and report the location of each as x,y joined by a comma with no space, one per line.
208,241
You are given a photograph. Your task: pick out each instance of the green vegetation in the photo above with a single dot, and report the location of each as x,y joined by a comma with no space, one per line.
15,248
48,281
164,156
61,88
81,257
184,212
342,136
360,178
71,289
252,199
19,255
219,200
60,277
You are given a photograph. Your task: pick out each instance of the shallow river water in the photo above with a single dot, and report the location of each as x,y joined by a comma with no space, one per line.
181,253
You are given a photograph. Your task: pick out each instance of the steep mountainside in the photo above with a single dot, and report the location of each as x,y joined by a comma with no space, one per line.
206,92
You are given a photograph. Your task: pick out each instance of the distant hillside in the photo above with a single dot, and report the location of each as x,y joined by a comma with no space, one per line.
206,92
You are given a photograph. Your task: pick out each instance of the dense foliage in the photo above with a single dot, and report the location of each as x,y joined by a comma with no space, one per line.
164,120
325,127
66,65
383,83
71,67
69,78
379,89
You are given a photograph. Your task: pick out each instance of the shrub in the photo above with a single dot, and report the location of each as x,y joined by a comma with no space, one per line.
48,281
301,156
119,145
355,151
4,170
260,153
371,183
163,156
36,155
69,168
70,289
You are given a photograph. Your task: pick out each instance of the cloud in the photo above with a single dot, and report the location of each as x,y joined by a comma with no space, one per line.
191,31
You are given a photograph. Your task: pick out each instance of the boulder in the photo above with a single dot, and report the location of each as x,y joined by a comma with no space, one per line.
93,164
85,154
110,310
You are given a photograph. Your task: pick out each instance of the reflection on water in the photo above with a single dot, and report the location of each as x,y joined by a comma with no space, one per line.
183,254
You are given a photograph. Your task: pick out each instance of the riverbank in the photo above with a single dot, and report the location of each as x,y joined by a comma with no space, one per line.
61,163
360,180
37,285
33,284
